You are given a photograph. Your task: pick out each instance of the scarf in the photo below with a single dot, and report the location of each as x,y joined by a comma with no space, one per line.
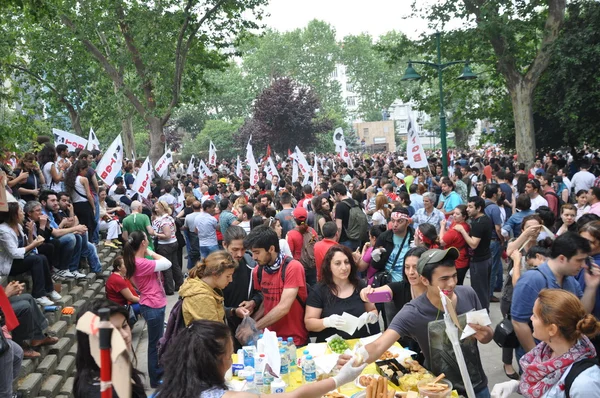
271,269
9,314
541,372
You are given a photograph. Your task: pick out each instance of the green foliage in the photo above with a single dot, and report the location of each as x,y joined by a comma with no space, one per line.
221,132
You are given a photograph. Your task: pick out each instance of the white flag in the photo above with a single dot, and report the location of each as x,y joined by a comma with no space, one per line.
92,142
71,140
205,170
249,154
315,173
414,149
302,163
111,162
163,163
270,169
190,169
180,198
212,154
294,171
141,185
345,155
338,140
238,168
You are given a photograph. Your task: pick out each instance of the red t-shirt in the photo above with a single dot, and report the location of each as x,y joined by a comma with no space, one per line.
320,251
296,241
292,324
114,284
453,238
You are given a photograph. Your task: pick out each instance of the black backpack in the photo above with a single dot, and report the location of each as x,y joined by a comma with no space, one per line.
174,326
576,370
286,261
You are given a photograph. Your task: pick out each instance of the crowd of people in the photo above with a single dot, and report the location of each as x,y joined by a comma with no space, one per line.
295,257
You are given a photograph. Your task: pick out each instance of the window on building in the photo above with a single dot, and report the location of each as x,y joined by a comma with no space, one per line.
351,101
365,132
386,129
402,125
349,87
334,73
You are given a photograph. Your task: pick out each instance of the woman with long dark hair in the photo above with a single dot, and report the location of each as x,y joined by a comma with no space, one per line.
427,236
17,255
336,293
165,228
30,187
52,176
145,274
87,377
200,373
78,186
322,212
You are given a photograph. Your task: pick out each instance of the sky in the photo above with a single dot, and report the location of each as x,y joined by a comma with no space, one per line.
346,16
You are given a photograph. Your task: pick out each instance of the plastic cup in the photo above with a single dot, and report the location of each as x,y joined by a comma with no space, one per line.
425,392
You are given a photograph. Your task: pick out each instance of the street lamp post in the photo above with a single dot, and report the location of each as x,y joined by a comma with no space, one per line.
412,75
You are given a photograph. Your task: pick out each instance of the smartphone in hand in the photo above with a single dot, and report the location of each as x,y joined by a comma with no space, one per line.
380,297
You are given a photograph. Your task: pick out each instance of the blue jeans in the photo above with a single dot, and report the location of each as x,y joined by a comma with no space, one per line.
88,251
352,244
206,250
155,319
95,234
485,393
496,249
480,280
70,252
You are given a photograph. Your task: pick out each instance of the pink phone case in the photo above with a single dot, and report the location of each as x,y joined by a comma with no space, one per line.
380,297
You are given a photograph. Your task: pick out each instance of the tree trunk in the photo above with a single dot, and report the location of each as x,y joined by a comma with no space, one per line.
521,96
128,141
461,138
157,146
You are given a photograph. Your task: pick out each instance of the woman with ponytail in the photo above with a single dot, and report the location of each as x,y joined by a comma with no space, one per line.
143,268
202,291
562,325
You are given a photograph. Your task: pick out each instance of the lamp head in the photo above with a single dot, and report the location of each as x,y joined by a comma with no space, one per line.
467,73
410,74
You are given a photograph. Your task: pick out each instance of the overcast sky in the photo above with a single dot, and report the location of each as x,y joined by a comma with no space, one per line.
346,16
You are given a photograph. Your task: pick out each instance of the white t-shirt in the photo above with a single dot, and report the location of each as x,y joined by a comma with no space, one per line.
537,202
582,180
378,218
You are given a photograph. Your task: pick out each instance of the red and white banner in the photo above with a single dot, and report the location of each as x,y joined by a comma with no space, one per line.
238,168
141,185
302,163
190,169
270,169
71,140
212,154
92,142
111,162
162,166
414,149
204,169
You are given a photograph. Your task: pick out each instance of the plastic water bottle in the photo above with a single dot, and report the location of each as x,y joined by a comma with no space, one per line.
250,386
309,369
260,361
278,386
300,361
284,372
292,354
267,381
279,341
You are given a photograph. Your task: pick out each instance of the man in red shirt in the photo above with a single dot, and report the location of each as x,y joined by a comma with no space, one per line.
307,197
330,238
282,283
295,239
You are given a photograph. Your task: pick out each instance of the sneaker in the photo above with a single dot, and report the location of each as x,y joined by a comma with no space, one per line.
78,275
110,244
44,301
65,273
54,296
117,242
56,277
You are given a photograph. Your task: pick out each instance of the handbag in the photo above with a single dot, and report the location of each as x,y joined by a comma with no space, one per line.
132,319
504,334
4,346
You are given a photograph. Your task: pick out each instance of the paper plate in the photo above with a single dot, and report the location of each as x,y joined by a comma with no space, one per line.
361,394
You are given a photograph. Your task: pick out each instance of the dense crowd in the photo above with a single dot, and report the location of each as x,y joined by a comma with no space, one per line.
294,257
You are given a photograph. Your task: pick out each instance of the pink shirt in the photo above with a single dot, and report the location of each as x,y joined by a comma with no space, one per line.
149,283
595,209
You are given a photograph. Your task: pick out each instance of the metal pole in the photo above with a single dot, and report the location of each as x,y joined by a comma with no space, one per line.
442,113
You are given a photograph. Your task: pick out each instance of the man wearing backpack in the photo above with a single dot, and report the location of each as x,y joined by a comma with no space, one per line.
350,219
302,241
549,194
393,244
283,285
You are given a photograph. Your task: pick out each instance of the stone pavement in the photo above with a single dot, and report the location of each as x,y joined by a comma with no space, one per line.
491,354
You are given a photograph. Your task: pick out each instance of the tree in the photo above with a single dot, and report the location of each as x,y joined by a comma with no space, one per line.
221,132
285,115
566,99
521,34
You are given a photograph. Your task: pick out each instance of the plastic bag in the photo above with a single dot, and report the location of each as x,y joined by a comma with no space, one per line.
247,333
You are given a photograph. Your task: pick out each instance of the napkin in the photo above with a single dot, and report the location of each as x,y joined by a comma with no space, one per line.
326,363
271,349
316,349
353,323
480,317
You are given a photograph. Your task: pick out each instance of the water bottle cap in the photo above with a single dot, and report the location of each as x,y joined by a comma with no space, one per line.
262,355
284,343
250,378
279,338
305,352
309,357
260,336
290,339
282,351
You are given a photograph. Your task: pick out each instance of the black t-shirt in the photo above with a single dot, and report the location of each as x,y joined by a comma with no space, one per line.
342,212
401,292
321,297
508,193
482,228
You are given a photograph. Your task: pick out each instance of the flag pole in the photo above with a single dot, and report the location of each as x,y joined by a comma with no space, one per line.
105,330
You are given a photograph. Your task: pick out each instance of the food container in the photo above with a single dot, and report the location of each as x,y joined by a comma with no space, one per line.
443,390
337,344
391,369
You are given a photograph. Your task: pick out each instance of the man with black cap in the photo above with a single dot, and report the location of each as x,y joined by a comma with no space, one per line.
423,316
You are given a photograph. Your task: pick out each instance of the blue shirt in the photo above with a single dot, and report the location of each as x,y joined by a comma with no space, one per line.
451,200
581,279
531,283
513,224
51,219
493,212
396,270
